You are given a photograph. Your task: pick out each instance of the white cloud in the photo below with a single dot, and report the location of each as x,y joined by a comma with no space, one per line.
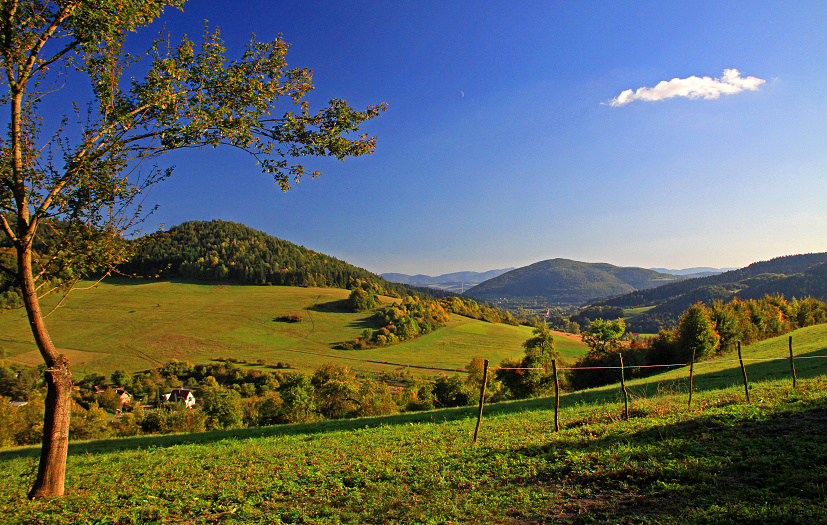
692,87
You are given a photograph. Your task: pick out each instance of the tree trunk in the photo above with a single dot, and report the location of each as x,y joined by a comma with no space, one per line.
52,470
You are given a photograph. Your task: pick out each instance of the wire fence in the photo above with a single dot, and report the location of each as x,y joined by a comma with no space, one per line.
791,358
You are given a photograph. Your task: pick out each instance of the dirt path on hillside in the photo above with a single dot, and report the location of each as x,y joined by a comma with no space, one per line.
566,335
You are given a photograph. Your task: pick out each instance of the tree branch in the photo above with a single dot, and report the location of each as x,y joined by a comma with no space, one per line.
44,38
45,63
8,230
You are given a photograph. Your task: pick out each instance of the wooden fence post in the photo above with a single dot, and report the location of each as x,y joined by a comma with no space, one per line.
743,371
691,377
792,361
556,395
482,398
623,386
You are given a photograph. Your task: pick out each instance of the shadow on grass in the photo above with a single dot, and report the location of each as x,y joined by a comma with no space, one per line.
651,387
338,306
733,452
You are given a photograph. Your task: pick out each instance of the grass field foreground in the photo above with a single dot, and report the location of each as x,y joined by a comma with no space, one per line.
725,462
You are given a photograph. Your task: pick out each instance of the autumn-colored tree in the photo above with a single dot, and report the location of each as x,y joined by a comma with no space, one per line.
70,180
336,390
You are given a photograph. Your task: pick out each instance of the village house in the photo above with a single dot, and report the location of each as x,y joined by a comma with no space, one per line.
181,394
122,394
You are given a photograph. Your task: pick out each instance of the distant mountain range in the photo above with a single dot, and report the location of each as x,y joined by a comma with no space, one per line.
700,271
567,283
459,282
453,282
220,251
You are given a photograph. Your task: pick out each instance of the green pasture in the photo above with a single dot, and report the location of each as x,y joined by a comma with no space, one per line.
630,313
135,325
722,461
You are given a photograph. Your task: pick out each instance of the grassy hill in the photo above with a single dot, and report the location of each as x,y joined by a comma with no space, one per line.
137,324
566,282
723,461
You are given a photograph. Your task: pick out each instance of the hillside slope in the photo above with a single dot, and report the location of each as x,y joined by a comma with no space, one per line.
792,276
222,251
136,324
720,462
567,282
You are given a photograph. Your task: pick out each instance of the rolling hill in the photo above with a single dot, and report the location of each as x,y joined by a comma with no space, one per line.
222,251
135,325
567,282
792,276
720,462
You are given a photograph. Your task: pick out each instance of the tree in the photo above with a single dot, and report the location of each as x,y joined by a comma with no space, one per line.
120,378
527,377
299,400
336,390
696,332
223,408
69,188
473,382
602,337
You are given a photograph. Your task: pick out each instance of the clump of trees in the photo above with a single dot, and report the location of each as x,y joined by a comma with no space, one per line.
401,321
230,252
592,313
471,308
233,396
532,374
364,295
702,331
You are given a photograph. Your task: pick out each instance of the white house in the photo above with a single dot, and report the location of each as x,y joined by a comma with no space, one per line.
181,394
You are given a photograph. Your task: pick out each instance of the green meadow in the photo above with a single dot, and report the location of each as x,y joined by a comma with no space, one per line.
136,325
722,461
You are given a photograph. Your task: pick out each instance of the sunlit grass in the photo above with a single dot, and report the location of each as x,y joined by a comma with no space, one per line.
720,462
136,325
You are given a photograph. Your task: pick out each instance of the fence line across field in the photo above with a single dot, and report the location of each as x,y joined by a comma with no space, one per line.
675,365
791,359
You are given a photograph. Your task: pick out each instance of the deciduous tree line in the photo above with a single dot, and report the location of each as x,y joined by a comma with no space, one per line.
702,331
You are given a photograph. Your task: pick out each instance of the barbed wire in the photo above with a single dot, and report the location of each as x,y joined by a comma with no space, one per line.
673,365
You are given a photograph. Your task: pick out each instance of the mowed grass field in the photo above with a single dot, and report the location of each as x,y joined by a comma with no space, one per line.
137,325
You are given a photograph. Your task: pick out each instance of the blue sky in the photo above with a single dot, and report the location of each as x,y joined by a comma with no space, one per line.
500,146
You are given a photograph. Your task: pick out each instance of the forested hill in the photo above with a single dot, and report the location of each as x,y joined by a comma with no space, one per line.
227,251
772,270
792,276
566,282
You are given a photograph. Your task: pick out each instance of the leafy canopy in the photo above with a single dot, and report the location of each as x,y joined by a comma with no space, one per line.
603,336
90,170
